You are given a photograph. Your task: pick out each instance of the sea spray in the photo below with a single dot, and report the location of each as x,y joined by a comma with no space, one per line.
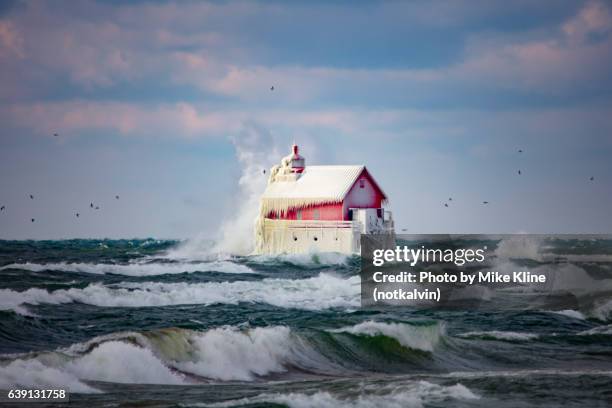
254,150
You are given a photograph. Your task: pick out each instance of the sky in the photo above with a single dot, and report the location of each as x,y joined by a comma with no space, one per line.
168,104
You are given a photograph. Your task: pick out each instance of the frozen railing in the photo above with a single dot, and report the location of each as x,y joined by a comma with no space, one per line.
270,223
388,223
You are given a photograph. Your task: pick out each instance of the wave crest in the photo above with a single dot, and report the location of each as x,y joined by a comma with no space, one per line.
320,292
422,337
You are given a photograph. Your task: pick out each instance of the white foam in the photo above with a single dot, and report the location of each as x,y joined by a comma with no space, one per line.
424,338
414,394
12,300
597,331
519,246
120,362
34,374
602,311
164,357
198,248
110,361
230,354
321,292
574,314
500,335
136,269
312,259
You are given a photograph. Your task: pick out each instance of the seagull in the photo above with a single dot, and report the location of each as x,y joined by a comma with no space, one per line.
592,178
116,197
519,172
485,202
32,219
31,197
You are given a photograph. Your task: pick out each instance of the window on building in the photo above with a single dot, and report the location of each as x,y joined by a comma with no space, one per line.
299,214
315,215
361,183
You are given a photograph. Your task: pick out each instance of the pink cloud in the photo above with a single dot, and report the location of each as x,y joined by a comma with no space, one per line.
11,43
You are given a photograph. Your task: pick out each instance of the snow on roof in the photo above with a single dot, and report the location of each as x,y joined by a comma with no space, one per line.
316,185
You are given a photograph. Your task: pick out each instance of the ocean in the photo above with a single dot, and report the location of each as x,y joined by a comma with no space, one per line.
146,323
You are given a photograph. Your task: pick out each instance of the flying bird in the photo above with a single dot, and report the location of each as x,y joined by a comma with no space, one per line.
272,88
97,208
592,178
77,215
520,150
116,197
450,198
2,208
519,172
485,202
91,205
33,220
55,135
264,171
446,204
31,197
404,229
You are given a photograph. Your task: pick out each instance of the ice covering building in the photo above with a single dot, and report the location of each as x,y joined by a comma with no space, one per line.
320,208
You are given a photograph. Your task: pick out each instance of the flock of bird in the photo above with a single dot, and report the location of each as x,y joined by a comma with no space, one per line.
446,204
519,173
96,207
77,215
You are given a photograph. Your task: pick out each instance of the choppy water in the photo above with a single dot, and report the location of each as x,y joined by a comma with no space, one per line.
140,321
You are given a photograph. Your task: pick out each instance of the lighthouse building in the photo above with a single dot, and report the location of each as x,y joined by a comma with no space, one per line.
320,208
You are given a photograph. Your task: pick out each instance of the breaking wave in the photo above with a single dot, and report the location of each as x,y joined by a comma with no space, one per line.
424,338
320,292
574,314
135,269
397,395
602,311
523,247
499,335
595,331
228,353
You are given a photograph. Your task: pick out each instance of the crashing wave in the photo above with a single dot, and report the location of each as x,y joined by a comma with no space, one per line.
499,335
135,269
422,337
320,292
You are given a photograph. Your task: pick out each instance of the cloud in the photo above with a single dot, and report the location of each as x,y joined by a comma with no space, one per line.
217,49
593,19
11,43
180,120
